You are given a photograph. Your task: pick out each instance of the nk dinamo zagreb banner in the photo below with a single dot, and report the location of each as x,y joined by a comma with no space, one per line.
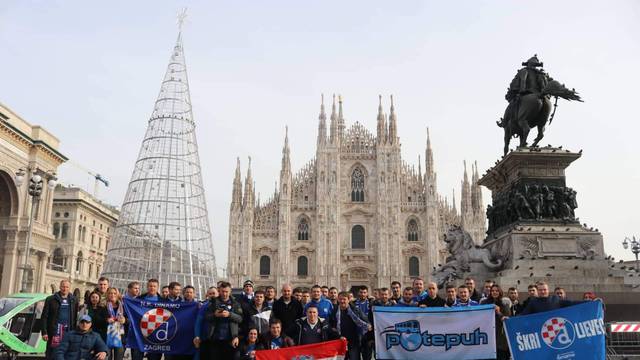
575,332
161,327
435,333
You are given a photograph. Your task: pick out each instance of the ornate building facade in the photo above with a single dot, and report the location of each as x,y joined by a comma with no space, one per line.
356,214
82,230
34,150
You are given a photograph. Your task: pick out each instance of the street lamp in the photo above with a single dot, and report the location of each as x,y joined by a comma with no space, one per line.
635,248
35,190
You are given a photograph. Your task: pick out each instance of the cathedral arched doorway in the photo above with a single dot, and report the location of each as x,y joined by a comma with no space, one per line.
8,208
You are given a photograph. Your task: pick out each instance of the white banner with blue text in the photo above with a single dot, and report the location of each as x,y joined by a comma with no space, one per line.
437,333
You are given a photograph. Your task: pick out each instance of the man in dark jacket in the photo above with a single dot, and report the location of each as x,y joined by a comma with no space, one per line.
432,299
286,309
82,343
310,329
251,314
348,321
58,316
275,339
224,315
545,302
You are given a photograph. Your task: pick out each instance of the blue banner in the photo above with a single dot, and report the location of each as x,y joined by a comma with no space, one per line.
161,327
574,332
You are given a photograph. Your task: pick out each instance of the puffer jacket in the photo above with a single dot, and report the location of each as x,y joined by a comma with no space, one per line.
77,345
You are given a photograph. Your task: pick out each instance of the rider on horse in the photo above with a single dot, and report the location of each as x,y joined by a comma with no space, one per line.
528,80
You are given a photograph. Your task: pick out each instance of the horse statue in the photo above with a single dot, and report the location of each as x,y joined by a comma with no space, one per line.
463,252
529,97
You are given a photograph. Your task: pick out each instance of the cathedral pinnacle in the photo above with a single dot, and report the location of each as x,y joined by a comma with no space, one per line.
334,122
286,153
393,126
248,188
236,195
322,125
429,165
381,128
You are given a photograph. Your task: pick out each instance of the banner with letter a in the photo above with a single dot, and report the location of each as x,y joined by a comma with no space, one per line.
161,327
328,350
575,332
435,333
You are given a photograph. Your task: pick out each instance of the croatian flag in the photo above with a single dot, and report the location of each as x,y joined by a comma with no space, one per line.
329,350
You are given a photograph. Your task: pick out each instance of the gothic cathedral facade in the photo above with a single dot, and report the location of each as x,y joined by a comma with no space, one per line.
355,215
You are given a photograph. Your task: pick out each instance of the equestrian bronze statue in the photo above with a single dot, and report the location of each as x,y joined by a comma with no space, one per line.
529,96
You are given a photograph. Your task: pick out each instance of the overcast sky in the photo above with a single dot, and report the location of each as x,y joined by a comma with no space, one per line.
89,72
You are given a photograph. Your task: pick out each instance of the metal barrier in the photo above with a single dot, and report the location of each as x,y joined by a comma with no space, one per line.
623,340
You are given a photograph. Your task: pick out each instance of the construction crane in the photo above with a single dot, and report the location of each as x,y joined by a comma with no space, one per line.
98,178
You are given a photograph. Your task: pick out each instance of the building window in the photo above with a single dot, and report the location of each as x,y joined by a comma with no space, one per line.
56,230
265,265
303,266
98,269
79,261
58,259
357,185
66,214
57,214
90,269
93,239
303,229
357,237
100,226
65,230
414,266
412,230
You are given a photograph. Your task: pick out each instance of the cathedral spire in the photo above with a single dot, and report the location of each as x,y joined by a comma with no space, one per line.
478,206
393,126
236,196
248,188
429,165
334,122
382,130
419,169
453,202
341,125
322,125
286,153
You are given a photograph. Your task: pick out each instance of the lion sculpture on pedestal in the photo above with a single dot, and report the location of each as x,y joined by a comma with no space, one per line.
463,252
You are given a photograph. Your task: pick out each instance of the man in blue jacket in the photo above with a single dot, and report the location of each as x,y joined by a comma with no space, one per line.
82,343
325,307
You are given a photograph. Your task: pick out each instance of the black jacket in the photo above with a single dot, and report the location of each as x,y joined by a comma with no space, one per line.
333,322
435,302
265,342
248,310
99,323
287,313
235,317
51,310
542,304
295,332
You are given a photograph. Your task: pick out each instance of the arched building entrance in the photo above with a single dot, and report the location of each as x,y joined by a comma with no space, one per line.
8,210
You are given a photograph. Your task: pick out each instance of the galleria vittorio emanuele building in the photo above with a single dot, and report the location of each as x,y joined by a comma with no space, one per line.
356,214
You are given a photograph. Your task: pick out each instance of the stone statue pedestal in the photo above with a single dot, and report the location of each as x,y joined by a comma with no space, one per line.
534,231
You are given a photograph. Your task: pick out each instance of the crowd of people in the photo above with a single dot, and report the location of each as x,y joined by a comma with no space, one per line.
234,327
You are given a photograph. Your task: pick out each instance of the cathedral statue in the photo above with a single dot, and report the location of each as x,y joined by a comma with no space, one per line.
529,96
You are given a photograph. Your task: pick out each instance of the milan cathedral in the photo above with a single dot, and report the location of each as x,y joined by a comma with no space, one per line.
356,214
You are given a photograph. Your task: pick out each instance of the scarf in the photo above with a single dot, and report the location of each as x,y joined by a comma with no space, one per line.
362,325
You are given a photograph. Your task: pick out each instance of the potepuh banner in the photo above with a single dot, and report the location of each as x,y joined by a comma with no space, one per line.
438,333
575,332
161,327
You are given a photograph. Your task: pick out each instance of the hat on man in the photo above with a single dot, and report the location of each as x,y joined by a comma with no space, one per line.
248,282
85,318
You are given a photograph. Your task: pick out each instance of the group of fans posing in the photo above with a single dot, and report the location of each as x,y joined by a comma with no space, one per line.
234,327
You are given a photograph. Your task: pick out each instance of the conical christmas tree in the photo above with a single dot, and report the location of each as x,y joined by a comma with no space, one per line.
163,230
